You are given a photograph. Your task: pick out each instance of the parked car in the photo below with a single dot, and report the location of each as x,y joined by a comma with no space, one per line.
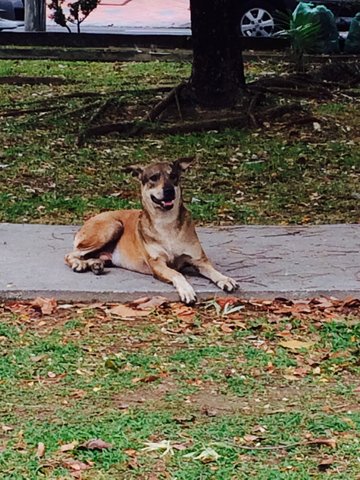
12,10
258,17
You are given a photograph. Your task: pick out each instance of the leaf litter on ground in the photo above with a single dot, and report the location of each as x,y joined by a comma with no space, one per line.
288,319
321,308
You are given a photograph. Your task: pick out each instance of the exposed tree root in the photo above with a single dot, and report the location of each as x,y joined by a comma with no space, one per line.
26,111
316,84
321,83
14,80
45,104
142,127
77,112
102,106
159,108
351,93
251,110
113,93
304,120
294,92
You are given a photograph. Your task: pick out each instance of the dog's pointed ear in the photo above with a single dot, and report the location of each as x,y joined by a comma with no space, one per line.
135,170
182,164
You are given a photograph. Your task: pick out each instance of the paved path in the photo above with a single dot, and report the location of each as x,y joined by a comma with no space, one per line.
267,261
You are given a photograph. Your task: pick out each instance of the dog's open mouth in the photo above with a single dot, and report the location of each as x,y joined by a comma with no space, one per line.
165,204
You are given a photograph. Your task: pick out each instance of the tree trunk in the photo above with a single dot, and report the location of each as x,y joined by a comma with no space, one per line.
35,15
217,71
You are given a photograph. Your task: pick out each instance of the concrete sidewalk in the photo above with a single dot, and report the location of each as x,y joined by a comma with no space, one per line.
291,262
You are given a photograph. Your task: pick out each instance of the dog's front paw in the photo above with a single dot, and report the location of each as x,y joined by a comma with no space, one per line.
227,284
186,293
188,297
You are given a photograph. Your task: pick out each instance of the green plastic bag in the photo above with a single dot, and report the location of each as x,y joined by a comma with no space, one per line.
352,42
327,41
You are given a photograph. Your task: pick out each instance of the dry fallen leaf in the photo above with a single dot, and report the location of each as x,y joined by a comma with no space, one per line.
223,301
47,306
323,302
148,379
226,328
351,302
7,428
150,303
325,464
95,444
183,312
180,446
206,456
40,451
259,429
183,419
124,311
67,447
140,300
329,442
209,412
164,446
38,358
76,465
250,438
131,452
295,344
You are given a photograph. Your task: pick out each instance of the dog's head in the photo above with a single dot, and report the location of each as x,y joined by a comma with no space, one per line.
160,183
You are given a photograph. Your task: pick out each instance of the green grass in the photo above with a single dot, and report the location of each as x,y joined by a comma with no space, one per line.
80,374
278,174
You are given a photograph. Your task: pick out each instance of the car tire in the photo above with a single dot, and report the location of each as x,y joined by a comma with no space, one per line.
257,19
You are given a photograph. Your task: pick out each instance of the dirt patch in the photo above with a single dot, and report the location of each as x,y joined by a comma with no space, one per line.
211,402
147,394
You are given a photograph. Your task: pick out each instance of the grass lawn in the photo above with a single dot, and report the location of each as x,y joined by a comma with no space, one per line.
282,173
217,395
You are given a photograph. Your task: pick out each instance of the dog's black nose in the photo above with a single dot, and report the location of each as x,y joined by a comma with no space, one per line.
169,192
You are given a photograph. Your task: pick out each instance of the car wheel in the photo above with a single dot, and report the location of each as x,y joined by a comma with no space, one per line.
257,19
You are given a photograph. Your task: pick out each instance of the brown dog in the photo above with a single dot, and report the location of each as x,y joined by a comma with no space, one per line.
158,240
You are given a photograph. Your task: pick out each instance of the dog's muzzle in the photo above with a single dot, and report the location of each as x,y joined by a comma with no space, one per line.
167,202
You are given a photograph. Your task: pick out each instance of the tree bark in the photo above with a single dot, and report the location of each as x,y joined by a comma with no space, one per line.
217,71
35,15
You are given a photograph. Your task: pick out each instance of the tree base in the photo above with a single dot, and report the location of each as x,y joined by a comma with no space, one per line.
264,101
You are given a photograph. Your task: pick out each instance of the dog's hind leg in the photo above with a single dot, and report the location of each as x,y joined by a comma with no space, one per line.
78,263
94,235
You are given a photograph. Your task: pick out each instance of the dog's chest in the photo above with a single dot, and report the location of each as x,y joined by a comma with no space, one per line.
164,246
169,245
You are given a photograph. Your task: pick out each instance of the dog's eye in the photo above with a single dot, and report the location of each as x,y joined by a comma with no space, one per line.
173,176
155,177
